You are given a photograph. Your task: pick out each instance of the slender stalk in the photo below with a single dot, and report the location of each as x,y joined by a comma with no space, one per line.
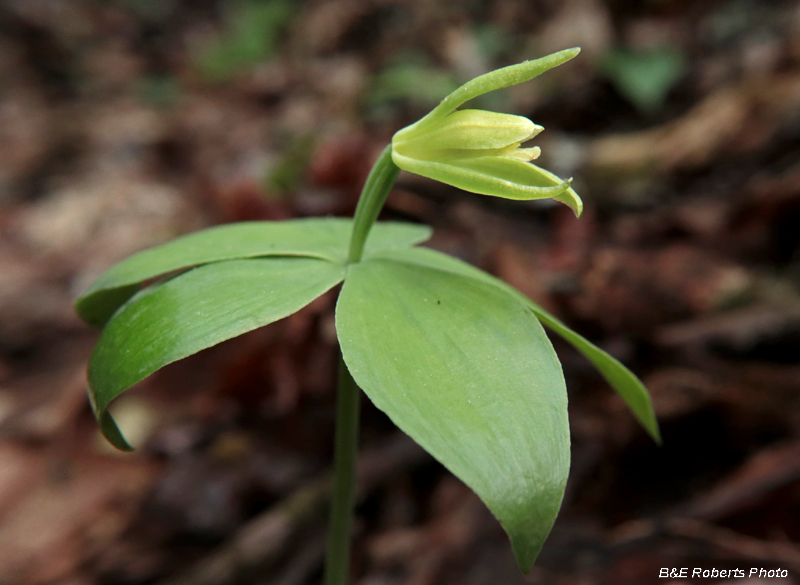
376,188
337,561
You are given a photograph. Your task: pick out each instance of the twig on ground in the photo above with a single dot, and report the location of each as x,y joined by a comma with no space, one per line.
264,539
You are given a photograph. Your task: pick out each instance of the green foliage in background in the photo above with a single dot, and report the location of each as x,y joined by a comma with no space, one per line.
410,79
251,35
288,171
645,77
156,10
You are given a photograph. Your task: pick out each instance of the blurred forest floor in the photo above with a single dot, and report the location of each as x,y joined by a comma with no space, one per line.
124,123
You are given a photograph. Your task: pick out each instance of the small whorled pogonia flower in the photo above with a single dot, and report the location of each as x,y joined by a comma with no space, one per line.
480,151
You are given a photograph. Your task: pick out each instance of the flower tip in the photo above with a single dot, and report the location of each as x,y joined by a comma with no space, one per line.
526,154
570,198
535,131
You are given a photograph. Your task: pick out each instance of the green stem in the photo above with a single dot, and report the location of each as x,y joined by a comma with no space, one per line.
376,188
337,561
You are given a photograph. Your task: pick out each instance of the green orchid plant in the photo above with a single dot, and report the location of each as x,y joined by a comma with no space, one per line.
455,357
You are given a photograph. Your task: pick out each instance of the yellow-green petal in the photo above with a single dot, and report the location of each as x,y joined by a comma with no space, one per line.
499,176
468,129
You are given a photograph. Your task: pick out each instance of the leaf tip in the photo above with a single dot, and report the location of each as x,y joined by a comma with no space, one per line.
525,553
647,417
566,55
111,432
655,433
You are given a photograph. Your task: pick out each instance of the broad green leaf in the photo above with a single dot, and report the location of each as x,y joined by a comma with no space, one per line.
625,382
200,308
467,371
324,238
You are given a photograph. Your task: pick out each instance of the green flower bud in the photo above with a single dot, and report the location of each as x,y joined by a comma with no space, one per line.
481,151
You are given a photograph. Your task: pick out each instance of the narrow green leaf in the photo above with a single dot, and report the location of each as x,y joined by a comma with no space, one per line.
324,238
497,79
624,382
467,371
504,77
198,309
